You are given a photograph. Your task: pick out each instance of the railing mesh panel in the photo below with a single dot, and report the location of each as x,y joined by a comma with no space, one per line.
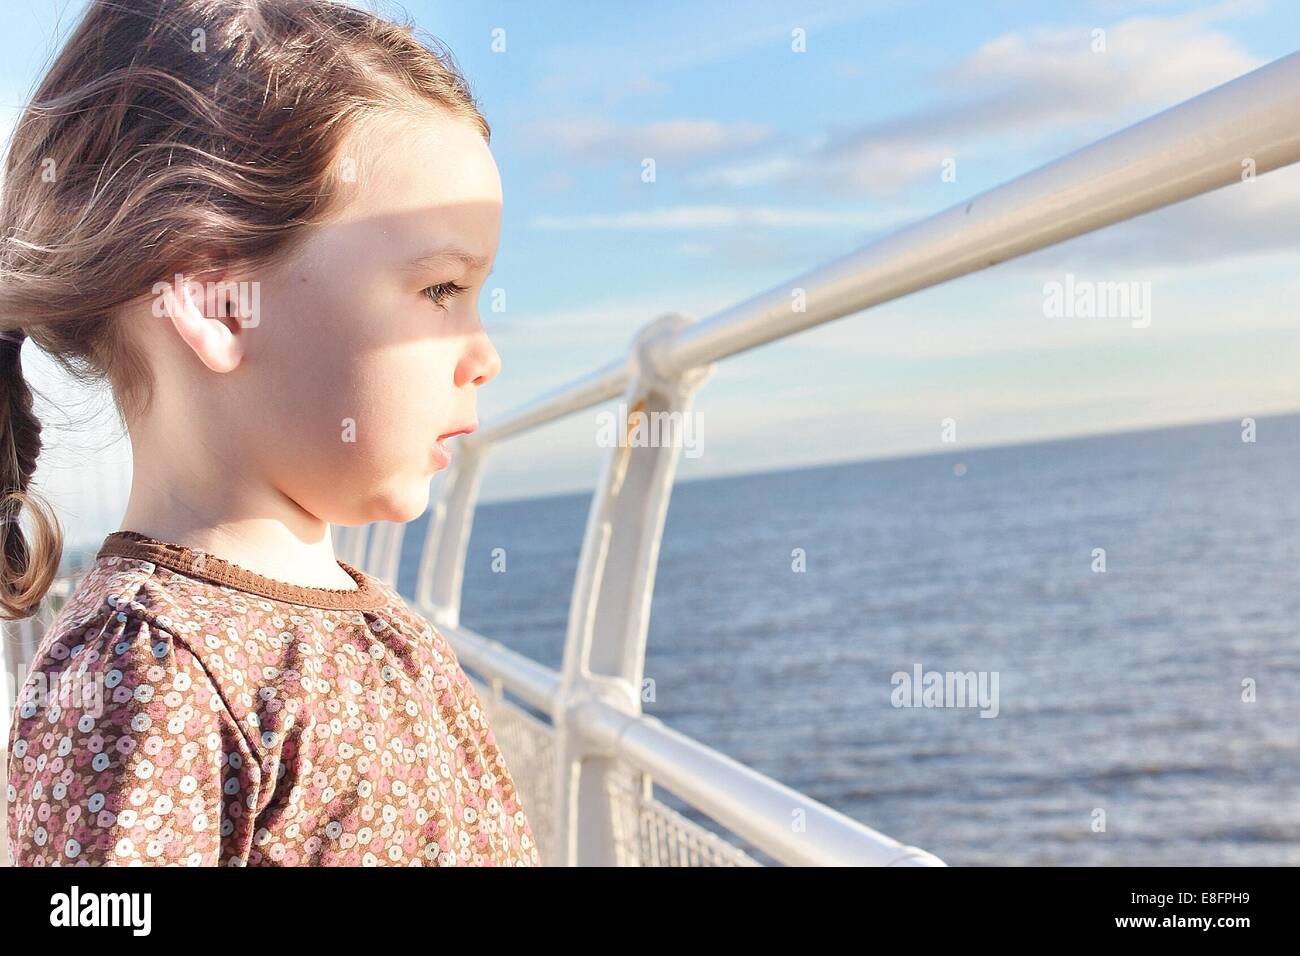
650,833
646,831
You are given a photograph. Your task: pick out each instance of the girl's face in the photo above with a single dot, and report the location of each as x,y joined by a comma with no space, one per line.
368,347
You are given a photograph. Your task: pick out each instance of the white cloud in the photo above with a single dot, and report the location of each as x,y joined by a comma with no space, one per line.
1035,84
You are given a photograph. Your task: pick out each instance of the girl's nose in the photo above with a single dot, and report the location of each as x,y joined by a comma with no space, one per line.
481,362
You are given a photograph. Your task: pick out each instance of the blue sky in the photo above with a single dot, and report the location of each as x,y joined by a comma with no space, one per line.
770,161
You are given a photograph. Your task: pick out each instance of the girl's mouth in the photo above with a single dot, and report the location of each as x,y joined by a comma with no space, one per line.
441,453
460,431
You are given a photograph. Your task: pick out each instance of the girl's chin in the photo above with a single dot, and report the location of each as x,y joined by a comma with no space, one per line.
402,502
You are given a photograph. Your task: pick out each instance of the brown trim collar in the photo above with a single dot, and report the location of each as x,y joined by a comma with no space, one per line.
198,564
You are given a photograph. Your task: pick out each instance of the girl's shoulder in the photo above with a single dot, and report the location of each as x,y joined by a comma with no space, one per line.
117,590
125,715
112,581
123,623
127,609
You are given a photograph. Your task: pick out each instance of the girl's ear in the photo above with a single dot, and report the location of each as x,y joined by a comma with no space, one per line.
216,339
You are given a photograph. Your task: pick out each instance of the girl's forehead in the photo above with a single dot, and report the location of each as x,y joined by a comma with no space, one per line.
416,187
419,162
418,241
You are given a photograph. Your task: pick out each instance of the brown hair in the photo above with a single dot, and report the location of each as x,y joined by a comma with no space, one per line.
173,136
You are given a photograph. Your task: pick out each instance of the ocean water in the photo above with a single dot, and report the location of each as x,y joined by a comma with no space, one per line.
1119,695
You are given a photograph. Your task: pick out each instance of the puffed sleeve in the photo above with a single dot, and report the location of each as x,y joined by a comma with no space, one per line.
123,753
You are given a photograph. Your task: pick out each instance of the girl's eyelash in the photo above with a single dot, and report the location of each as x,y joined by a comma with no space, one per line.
437,294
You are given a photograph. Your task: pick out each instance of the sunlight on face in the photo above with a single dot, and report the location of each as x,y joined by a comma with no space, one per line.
371,330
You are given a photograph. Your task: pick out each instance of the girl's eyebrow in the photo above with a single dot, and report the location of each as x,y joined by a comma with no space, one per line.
452,254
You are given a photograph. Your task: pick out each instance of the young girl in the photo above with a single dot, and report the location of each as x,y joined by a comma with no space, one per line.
265,223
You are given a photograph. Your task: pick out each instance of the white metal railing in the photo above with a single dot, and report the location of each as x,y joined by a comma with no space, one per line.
600,734
592,765
769,815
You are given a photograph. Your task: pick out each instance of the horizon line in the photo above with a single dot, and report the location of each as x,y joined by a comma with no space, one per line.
913,455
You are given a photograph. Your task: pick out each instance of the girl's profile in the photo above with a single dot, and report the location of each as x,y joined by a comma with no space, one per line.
265,226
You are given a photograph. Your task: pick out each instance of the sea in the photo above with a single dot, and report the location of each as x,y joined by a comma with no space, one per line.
1128,603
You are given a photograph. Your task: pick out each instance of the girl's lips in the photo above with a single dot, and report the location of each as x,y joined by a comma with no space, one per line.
460,431
441,452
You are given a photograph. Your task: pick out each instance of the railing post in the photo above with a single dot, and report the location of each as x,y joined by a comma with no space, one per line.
442,565
609,615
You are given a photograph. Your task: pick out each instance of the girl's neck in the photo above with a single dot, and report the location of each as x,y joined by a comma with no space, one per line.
198,480
265,547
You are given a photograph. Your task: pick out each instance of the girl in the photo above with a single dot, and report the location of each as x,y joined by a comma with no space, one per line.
265,223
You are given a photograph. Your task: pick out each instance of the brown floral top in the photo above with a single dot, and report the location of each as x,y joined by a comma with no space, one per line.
183,710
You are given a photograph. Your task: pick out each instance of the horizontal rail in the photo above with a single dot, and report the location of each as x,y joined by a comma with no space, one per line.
754,807
1190,149
604,383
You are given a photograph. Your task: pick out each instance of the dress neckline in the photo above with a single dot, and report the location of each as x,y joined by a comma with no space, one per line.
200,564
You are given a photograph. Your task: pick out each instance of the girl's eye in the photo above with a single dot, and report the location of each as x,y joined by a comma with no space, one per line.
443,291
